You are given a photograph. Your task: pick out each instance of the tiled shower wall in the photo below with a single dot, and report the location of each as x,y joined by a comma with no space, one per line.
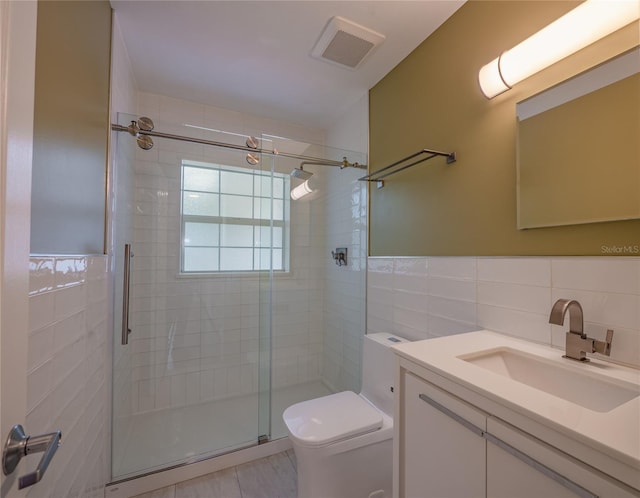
122,181
67,378
344,293
420,298
196,338
318,310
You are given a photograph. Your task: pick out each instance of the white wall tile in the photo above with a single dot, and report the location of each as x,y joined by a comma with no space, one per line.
40,346
68,301
528,271
183,321
41,310
39,384
408,300
462,268
460,290
529,326
613,310
615,275
410,266
513,296
442,326
461,311
66,381
410,283
41,274
345,208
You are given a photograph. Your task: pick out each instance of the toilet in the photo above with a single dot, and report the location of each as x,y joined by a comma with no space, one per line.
343,441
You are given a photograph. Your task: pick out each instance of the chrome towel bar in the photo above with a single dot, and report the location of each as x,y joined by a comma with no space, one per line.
400,165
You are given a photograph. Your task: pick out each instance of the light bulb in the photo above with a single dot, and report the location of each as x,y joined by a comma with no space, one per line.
580,27
302,190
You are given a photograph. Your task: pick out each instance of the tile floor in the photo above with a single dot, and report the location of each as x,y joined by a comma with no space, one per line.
271,477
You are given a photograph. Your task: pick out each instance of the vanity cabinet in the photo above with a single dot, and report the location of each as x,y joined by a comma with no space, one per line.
521,466
447,447
438,454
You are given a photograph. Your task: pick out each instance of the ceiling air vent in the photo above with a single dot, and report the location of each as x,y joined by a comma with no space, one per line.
345,43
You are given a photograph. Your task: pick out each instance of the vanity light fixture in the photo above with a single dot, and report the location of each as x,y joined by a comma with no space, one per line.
580,27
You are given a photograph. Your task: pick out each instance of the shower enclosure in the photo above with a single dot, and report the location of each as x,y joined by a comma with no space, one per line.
228,304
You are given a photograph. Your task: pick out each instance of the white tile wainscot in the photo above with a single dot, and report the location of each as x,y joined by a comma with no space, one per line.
511,295
67,386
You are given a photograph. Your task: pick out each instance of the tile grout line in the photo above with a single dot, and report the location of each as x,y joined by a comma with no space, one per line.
235,472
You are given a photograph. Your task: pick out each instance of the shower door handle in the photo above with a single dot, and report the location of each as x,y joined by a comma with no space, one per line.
125,294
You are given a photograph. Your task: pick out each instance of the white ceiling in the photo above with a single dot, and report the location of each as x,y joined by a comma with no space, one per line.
253,56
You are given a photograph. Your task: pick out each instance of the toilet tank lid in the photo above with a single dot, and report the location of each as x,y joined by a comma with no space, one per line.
332,418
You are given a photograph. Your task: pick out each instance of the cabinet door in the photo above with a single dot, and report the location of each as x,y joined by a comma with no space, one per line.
440,457
520,466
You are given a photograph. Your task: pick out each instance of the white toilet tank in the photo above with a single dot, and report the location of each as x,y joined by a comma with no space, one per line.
378,369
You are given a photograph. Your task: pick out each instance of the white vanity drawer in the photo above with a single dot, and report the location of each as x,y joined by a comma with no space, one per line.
439,457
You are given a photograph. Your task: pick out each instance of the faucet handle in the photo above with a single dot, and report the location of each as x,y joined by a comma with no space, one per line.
604,347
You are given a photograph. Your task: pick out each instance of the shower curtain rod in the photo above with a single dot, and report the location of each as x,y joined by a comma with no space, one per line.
136,131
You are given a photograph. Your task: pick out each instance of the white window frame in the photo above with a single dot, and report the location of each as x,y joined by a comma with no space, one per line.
220,220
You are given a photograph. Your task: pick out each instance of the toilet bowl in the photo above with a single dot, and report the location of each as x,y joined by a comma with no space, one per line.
343,441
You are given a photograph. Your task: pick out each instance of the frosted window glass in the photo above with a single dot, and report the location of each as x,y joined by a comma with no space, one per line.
236,235
200,259
200,234
200,203
278,210
278,239
234,206
236,183
278,187
262,185
277,259
224,210
263,236
262,209
236,259
263,259
202,179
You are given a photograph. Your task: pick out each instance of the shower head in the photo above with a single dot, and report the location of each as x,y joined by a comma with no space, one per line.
301,174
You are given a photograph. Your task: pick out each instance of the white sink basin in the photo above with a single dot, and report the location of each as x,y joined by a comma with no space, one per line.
574,383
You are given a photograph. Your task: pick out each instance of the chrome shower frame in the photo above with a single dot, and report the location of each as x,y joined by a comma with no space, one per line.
143,130
300,173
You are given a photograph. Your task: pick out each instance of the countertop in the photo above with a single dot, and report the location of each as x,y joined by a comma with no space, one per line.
615,433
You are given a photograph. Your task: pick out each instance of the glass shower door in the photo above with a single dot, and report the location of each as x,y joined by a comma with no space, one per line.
193,381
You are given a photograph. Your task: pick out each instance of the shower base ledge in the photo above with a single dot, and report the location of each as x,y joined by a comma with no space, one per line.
150,482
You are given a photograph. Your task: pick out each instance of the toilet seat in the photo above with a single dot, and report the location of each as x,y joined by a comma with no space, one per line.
322,421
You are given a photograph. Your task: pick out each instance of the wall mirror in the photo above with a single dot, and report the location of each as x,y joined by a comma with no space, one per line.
578,148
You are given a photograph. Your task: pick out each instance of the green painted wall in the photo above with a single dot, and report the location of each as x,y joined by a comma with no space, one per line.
71,127
432,100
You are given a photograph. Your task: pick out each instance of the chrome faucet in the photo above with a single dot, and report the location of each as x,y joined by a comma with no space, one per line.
577,343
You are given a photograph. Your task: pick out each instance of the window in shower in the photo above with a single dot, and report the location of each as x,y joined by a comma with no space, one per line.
233,219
